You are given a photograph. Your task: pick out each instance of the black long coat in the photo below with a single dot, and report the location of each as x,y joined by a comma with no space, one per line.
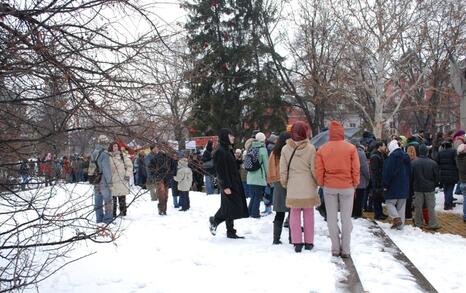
447,166
232,206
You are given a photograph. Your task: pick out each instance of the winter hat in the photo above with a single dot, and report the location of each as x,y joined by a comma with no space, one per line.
458,134
299,131
272,138
393,145
461,149
336,131
260,137
103,139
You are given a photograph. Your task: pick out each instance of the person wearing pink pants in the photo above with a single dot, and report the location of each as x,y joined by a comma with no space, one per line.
297,176
296,224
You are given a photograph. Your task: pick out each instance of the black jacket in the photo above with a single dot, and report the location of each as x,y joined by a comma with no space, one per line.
447,166
376,164
207,156
461,163
232,206
158,167
424,172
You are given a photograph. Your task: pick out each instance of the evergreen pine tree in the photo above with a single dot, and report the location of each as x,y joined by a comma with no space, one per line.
233,82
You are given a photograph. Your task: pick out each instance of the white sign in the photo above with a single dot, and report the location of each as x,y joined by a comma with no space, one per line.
191,145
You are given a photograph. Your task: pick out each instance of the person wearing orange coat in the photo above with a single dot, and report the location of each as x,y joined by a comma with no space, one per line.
337,170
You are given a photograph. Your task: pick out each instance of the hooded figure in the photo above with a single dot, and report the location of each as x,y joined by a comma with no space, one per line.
395,182
233,202
338,171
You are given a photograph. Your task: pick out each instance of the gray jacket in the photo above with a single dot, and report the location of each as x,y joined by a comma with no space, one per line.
103,162
365,176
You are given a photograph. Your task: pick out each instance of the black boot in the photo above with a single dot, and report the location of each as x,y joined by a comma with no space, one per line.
298,247
277,232
308,246
212,226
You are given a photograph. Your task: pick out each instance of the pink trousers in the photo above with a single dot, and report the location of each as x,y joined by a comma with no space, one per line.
295,225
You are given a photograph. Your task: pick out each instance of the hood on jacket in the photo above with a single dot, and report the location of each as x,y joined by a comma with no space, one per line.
299,144
183,163
423,151
210,146
393,145
248,143
336,131
257,144
223,138
399,154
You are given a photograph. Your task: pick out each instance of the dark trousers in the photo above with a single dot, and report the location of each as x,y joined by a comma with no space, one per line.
279,217
228,222
377,201
358,202
409,207
448,192
184,200
121,203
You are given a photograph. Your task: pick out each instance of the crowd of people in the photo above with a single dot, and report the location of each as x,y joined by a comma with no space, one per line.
341,176
285,172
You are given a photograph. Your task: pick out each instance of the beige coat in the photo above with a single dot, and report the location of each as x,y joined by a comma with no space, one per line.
120,170
301,188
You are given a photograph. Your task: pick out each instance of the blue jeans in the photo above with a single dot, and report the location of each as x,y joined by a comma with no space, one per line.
463,190
448,191
103,204
209,184
246,189
175,193
256,192
24,181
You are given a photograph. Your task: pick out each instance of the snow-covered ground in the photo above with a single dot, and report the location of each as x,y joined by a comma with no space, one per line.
177,253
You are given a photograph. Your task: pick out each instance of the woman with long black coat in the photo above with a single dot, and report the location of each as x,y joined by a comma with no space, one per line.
233,202
446,160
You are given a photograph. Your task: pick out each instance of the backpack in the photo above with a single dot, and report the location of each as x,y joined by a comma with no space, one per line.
94,174
251,160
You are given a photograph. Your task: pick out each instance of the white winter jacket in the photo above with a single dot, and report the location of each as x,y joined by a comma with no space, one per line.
121,172
184,175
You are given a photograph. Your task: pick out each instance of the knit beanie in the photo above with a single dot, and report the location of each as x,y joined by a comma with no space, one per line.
260,137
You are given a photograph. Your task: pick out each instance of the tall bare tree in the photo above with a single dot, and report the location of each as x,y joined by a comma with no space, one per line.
372,31
65,67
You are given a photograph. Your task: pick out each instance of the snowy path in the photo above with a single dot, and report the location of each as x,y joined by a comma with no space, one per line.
177,253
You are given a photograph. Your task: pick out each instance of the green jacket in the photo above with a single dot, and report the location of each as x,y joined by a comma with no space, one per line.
259,177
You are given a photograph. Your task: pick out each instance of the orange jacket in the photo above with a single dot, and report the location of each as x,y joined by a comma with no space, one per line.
274,170
337,161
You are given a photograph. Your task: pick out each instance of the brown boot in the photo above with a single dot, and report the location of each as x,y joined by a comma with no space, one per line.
396,223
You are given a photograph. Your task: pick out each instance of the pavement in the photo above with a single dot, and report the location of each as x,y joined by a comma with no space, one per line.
451,223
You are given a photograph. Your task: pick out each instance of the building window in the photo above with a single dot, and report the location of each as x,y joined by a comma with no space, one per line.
352,125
